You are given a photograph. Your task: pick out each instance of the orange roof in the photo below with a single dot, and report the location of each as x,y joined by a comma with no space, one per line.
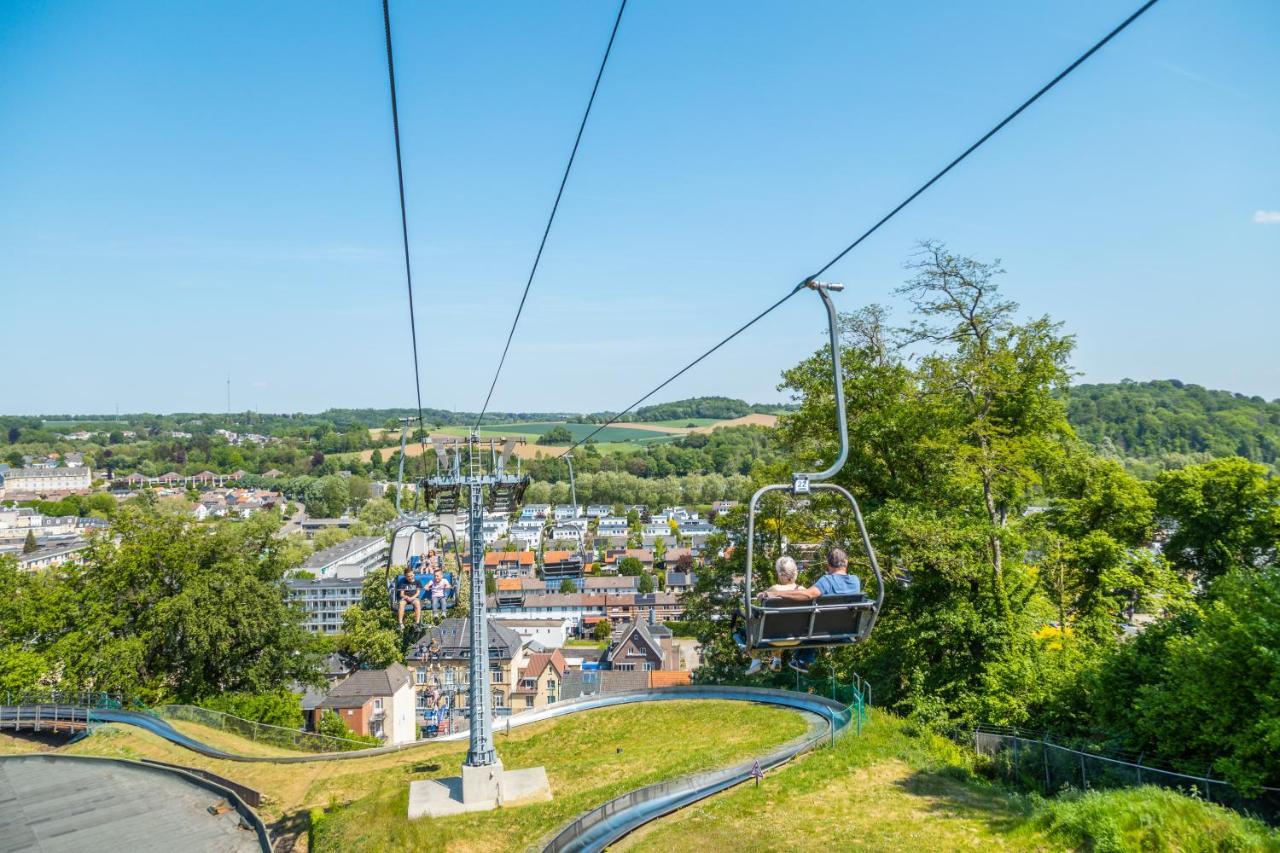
641,554
556,556
538,661
524,558
669,678
509,583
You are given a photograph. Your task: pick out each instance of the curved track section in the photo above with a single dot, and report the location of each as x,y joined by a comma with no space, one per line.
591,831
836,715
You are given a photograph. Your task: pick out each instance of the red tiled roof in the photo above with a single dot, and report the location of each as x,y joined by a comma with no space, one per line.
524,558
556,556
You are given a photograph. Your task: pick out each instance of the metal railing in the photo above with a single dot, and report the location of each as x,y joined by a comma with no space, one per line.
260,733
77,698
596,829
1034,761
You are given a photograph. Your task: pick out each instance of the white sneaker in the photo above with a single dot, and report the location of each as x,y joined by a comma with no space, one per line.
775,664
755,667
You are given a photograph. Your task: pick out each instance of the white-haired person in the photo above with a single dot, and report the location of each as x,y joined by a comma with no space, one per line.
785,569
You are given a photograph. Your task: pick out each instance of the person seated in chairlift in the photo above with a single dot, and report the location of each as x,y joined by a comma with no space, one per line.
433,562
440,587
409,592
785,569
837,581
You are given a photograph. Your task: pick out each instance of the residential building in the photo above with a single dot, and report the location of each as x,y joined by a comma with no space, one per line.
49,556
557,565
656,529
640,646
612,525
678,558
312,526
527,535
376,702
543,633
534,512
567,511
678,583
696,527
46,481
510,564
443,676
325,600
494,527
613,555
573,531
584,609
539,682
353,558
599,511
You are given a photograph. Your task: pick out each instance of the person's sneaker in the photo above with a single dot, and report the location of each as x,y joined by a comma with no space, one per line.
755,667
775,664
799,666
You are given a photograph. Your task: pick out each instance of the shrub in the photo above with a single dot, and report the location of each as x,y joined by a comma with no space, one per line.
1149,818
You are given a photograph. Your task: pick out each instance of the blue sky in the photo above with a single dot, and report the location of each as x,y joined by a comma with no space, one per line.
190,191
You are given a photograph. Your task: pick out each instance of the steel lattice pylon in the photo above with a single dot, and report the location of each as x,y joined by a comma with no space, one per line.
480,751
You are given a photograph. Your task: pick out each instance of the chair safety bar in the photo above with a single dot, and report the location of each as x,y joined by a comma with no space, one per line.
749,599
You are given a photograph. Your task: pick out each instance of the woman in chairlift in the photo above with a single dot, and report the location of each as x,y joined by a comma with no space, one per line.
785,569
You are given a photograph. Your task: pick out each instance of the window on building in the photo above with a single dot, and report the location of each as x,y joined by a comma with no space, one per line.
377,704
420,676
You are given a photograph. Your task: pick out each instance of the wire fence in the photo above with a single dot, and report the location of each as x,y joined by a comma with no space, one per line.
260,733
854,694
1035,762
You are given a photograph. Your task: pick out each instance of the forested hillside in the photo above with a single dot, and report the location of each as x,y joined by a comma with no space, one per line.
1167,424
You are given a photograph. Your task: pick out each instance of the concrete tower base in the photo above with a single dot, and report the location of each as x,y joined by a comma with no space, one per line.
478,789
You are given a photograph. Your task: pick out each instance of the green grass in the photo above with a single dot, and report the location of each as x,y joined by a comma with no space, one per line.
1148,818
893,788
590,758
898,787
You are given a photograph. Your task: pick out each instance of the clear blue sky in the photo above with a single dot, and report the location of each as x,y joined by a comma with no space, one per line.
195,190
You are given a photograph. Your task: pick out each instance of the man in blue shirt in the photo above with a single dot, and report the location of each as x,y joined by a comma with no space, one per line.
837,581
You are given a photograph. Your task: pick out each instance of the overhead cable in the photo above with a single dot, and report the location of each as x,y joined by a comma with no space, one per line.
546,231
892,213
404,227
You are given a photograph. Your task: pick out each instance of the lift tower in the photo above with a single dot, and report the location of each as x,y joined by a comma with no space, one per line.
486,483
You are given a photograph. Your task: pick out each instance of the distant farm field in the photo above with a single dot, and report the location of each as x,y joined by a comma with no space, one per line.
534,429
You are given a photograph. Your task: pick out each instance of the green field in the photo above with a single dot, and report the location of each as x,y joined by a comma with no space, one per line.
532,430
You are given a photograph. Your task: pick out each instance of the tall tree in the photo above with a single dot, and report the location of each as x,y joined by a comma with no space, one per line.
1224,514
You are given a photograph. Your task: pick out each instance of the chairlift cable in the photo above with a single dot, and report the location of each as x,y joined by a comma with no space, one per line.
546,231
892,213
404,226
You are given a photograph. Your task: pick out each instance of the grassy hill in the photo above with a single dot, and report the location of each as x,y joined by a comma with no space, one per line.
895,787
898,788
1170,422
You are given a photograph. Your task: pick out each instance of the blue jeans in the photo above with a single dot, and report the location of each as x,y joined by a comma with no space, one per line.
438,604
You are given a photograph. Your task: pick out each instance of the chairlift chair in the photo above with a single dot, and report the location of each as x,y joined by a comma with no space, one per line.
409,545
504,497
829,620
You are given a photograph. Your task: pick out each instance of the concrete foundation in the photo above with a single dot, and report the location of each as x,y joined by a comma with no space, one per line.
478,789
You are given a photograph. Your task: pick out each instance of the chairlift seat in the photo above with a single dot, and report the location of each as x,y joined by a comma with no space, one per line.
829,620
